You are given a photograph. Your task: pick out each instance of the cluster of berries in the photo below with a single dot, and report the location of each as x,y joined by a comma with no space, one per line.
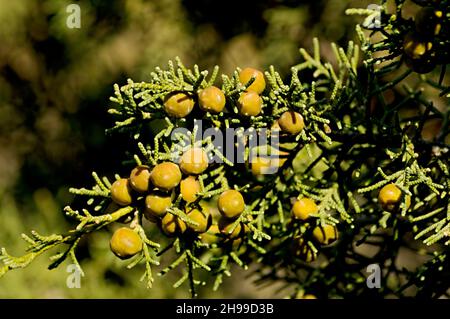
304,209
419,45
154,190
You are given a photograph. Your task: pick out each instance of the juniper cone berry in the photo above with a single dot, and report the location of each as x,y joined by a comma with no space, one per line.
303,208
178,104
156,205
291,122
203,220
140,178
211,99
172,225
415,46
226,225
125,243
250,104
326,234
189,189
302,250
194,161
259,83
121,192
231,203
166,176
211,236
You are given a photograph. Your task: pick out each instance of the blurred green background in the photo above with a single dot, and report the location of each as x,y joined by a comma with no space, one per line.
54,89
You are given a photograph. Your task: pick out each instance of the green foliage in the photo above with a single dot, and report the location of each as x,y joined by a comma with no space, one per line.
364,115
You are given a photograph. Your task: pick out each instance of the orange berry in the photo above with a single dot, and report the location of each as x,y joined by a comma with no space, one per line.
125,243
211,99
172,225
415,46
302,250
189,188
428,21
303,208
250,104
326,234
211,236
140,178
203,219
261,165
178,104
258,85
225,226
194,161
156,205
166,175
308,296
121,192
291,122
390,197
231,203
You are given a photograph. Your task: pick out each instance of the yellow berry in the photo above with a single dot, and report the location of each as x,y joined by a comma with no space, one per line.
266,160
140,178
250,104
178,104
302,250
291,122
211,236
261,165
326,234
416,47
303,208
194,161
172,225
231,203
389,197
258,85
211,99
235,243
203,220
166,175
156,205
121,192
125,243
189,188
225,226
